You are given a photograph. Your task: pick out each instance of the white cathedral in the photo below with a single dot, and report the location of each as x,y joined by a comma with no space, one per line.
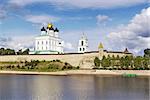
48,42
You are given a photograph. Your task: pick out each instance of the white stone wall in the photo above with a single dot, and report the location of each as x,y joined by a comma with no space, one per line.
73,59
85,60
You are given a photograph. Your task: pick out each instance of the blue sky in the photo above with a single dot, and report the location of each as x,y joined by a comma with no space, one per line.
21,20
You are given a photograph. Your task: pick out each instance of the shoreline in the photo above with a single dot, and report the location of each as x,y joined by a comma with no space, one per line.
82,72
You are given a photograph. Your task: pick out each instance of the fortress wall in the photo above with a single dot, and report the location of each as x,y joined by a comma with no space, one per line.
73,59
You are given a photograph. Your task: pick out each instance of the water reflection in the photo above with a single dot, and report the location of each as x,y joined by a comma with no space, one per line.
27,87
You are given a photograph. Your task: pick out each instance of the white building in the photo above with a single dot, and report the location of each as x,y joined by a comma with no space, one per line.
48,42
83,44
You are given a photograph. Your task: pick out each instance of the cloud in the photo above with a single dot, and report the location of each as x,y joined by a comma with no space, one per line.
19,42
82,3
4,42
68,46
102,19
135,36
3,13
41,19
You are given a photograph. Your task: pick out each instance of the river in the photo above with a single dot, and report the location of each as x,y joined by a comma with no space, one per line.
75,87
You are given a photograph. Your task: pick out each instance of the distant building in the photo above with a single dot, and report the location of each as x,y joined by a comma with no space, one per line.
83,44
48,42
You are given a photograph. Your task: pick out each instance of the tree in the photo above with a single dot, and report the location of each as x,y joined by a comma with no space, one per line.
147,53
97,62
146,62
106,62
138,62
25,52
7,51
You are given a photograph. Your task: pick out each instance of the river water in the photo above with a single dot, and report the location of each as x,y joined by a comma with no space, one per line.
75,87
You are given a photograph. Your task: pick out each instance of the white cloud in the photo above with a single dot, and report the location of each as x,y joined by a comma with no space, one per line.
135,36
68,46
19,42
41,19
82,3
102,19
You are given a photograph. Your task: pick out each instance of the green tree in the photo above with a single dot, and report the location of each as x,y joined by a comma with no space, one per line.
147,53
146,62
138,62
97,62
25,52
106,62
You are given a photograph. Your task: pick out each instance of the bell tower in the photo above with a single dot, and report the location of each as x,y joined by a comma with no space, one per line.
83,44
101,51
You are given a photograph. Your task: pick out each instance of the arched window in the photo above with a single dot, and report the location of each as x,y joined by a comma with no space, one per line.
83,49
82,42
80,49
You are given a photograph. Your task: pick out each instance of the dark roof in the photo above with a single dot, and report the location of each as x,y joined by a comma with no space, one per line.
126,51
51,28
56,30
118,52
43,29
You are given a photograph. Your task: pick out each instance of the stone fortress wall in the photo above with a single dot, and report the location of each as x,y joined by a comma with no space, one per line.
84,60
73,59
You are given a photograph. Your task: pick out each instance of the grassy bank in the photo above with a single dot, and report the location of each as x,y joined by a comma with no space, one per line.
39,66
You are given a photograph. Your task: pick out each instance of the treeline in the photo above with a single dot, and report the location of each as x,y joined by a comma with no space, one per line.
123,63
9,51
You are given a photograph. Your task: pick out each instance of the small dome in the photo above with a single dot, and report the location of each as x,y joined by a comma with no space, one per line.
56,30
43,29
50,25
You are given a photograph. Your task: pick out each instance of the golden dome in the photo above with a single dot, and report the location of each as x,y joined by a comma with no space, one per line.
100,46
50,25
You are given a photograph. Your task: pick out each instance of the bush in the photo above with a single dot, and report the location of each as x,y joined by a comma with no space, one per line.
78,67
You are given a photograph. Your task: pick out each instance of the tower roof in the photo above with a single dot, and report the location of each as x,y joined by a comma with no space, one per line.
100,46
43,29
84,36
126,50
56,30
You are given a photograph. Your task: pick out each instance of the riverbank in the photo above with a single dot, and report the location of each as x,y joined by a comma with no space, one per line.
82,72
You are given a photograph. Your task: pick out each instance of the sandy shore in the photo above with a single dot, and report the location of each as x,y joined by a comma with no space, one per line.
82,72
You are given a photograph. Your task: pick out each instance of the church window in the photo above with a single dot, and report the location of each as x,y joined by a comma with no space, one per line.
46,42
82,43
80,49
83,49
38,42
42,42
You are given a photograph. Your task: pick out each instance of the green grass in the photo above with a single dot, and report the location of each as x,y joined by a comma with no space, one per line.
37,66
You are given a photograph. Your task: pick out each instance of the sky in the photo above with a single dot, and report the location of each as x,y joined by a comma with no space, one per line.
118,24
